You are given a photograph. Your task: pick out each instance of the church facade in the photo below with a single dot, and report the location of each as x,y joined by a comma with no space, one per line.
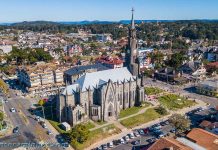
102,95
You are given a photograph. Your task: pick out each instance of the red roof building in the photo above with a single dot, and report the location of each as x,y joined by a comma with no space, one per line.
110,62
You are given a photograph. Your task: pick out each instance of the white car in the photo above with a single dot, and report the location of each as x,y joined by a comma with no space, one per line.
13,110
44,125
122,141
110,145
136,134
131,136
37,118
126,138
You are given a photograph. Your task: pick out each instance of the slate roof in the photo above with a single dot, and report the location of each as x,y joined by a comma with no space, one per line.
96,79
81,69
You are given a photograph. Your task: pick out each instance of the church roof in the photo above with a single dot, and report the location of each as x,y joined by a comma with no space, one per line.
95,79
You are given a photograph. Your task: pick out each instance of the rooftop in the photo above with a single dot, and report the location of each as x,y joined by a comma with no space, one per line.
204,138
96,79
164,143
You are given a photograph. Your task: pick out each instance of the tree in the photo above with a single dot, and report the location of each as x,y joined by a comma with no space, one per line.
1,119
161,110
42,103
79,133
176,60
180,123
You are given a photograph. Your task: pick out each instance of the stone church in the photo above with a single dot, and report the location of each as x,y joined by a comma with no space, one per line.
103,94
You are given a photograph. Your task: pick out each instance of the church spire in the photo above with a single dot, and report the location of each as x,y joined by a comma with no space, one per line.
132,21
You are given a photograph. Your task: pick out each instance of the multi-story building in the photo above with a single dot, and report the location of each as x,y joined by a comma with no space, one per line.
41,78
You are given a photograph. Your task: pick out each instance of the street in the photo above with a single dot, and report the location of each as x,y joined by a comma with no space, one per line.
30,131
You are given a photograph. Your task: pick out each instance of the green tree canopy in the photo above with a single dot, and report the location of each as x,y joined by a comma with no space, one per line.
180,123
79,133
1,116
161,110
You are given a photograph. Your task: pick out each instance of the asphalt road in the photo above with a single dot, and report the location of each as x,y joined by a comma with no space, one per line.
30,131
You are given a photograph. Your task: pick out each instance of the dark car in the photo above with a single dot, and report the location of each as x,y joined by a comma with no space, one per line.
16,130
104,146
152,140
136,142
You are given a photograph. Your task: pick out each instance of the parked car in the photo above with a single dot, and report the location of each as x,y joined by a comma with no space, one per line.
126,138
99,148
145,130
131,136
135,142
13,110
110,145
121,141
49,132
104,146
37,118
16,130
44,125
141,132
172,130
136,134
151,140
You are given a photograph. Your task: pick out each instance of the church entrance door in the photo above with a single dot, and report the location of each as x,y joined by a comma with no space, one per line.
110,110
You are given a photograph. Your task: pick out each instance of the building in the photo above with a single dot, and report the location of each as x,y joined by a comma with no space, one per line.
103,94
104,38
194,68
110,62
144,59
132,60
71,50
208,87
72,74
203,138
99,96
41,79
169,75
174,144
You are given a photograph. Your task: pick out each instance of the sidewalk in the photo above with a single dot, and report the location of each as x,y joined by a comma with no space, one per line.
55,133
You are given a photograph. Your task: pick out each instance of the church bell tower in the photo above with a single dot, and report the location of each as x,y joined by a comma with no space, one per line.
132,53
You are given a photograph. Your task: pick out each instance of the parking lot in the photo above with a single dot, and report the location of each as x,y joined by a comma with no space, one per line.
147,136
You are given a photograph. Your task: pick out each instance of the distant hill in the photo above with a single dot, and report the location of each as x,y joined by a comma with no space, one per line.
34,23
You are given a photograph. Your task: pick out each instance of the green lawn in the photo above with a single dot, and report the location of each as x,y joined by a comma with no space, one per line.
97,135
147,116
132,110
89,125
153,90
174,102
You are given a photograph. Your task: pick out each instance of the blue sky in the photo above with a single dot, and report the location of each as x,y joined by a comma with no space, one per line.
112,10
